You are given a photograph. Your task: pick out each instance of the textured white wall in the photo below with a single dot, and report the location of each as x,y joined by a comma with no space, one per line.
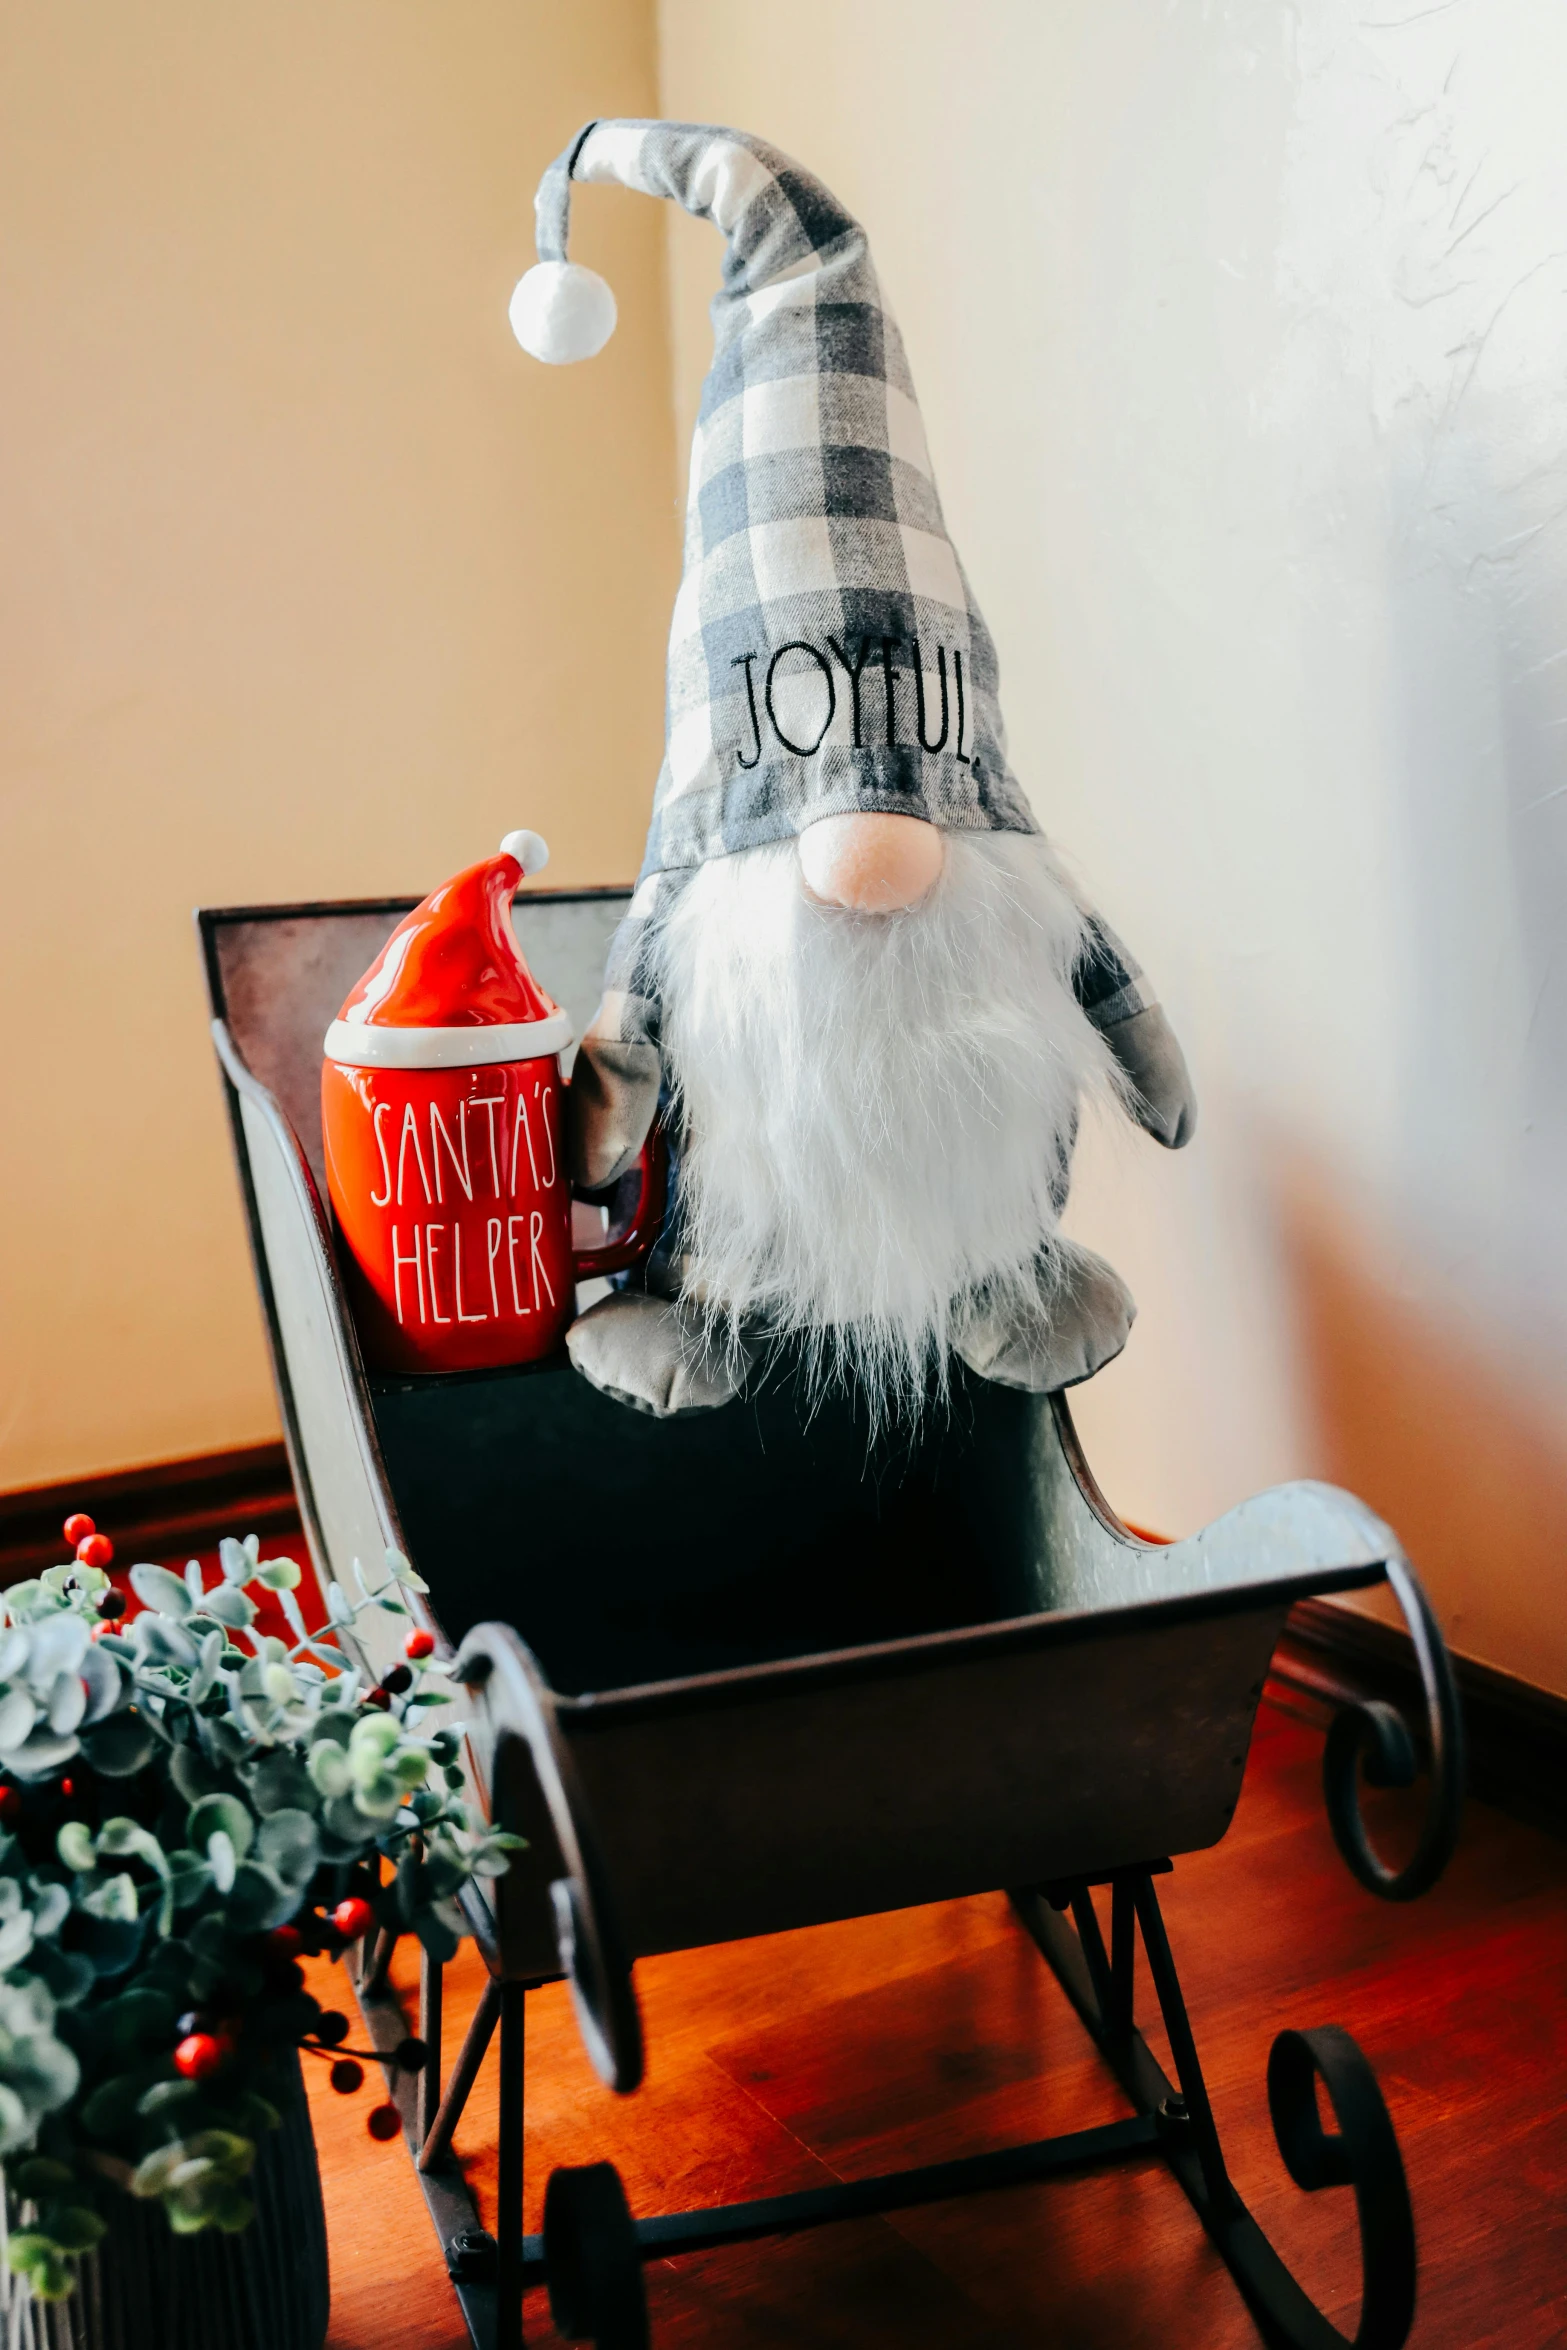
1241,333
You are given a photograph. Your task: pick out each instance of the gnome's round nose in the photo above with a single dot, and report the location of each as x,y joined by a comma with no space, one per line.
871,863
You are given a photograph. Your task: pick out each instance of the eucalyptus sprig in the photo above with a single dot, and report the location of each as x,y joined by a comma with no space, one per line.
190,1804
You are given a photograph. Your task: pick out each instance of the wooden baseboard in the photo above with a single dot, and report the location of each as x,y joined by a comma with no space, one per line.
153,1513
1517,1734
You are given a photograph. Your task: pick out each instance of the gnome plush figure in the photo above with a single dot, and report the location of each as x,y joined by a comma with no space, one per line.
854,975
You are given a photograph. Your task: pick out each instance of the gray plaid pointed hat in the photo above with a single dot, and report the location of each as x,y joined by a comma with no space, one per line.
826,652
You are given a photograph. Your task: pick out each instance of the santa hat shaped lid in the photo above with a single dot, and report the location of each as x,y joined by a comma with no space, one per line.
449,989
826,653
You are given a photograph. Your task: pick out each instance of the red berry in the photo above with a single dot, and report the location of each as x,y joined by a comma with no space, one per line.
95,1550
111,1606
77,1527
353,1918
384,2121
286,1941
380,1697
418,1645
347,2075
67,1786
10,1802
199,2054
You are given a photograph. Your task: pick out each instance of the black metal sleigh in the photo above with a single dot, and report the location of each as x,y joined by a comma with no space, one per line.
796,1677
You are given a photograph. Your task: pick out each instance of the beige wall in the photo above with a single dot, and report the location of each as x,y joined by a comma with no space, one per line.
312,585
1241,339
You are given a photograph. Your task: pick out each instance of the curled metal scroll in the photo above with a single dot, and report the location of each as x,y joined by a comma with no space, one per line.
1378,1734
1363,2155
593,1954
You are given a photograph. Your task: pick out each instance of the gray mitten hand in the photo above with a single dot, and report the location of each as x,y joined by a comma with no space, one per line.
1076,1322
1165,1104
655,1356
609,1108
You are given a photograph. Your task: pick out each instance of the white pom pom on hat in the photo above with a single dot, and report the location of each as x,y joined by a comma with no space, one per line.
530,849
561,312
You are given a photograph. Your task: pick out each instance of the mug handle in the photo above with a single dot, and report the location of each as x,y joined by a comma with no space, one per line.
614,1256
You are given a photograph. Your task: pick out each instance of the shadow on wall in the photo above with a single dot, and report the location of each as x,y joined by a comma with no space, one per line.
1478,665
1465,1455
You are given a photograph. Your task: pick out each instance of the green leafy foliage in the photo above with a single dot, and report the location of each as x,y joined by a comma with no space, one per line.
173,1791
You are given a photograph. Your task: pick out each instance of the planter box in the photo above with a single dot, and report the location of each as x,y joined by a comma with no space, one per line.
145,2288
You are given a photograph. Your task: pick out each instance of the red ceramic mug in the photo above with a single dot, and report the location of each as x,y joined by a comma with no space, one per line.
441,1117
449,1188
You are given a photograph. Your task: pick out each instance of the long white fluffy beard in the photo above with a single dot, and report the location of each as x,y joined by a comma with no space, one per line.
874,1109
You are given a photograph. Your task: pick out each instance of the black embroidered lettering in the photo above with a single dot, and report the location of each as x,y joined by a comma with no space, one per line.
743,661
919,696
888,645
856,672
800,750
957,680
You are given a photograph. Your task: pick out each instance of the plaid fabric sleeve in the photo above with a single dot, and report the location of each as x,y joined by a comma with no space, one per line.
1108,982
628,1010
615,1084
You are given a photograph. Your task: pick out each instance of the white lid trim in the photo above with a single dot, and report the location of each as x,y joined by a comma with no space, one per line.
359,1045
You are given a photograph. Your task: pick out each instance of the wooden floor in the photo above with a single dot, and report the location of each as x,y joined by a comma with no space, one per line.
852,2049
